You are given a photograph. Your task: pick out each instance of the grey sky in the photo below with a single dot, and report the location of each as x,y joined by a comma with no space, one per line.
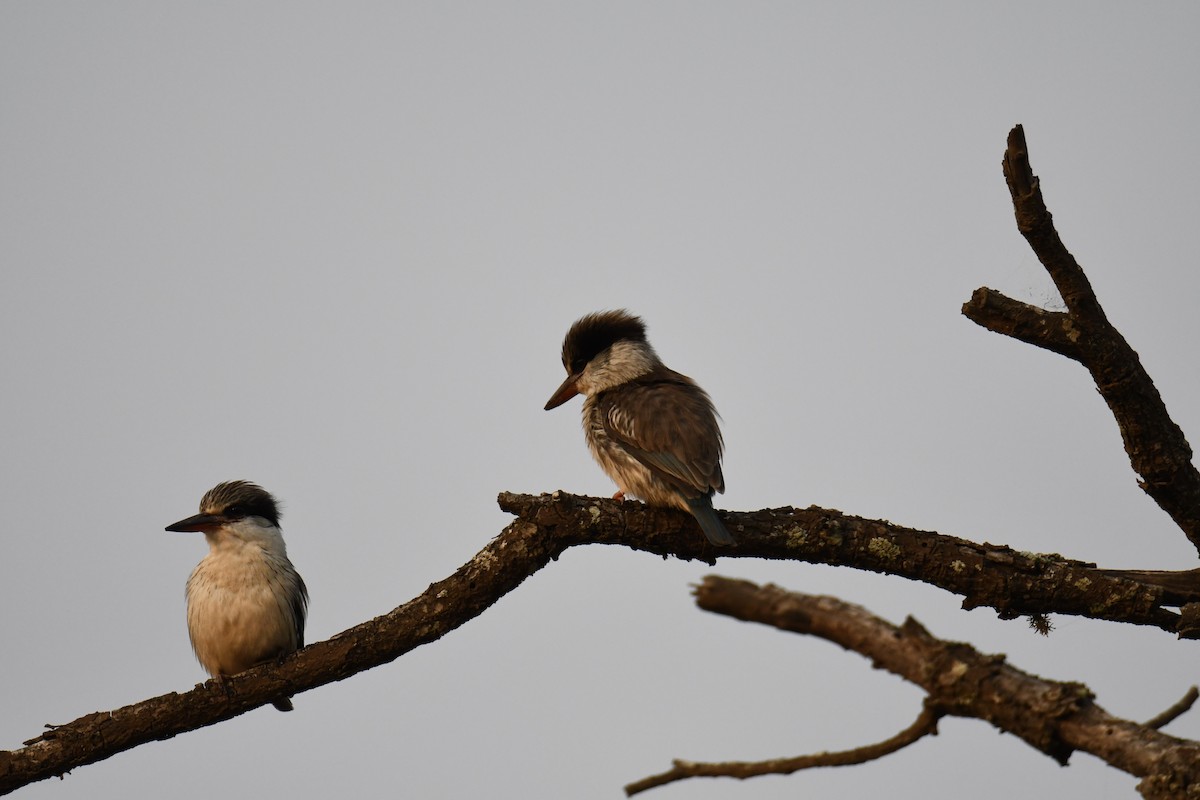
333,248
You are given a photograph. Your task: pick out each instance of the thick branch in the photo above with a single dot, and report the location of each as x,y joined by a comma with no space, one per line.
500,567
1158,451
1054,717
1011,582
1183,585
924,725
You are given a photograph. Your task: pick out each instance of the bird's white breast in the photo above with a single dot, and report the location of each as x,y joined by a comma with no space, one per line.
239,606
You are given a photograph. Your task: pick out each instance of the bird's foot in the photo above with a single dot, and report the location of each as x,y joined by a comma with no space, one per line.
620,495
226,685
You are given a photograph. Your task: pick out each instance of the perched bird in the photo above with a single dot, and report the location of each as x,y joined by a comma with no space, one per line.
246,604
652,430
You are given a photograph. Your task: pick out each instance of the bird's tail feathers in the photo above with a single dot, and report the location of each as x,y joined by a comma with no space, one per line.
714,530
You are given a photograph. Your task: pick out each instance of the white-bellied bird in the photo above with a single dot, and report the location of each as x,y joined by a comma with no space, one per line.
246,604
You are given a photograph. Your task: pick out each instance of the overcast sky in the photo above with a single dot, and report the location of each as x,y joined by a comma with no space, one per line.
333,248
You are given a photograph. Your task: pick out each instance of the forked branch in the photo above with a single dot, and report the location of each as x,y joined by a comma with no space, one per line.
1158,451
1054,717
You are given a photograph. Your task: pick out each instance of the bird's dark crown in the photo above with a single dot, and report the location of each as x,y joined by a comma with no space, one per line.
236,500
592,335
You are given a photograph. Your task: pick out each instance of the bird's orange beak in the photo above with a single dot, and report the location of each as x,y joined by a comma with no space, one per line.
564,393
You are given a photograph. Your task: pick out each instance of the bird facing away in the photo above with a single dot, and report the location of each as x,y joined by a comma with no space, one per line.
246,604
651,429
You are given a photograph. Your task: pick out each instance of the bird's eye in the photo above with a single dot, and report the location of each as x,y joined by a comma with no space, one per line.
234,511
577,365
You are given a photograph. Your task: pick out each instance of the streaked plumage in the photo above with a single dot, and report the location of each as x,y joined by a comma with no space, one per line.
246,604
651,429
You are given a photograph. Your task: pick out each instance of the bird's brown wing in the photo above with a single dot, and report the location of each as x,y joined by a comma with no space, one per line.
668,423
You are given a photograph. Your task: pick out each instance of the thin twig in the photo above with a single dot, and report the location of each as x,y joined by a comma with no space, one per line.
924,725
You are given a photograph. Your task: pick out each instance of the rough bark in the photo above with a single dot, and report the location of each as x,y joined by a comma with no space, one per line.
985,575
496,570
1054,717
1011,582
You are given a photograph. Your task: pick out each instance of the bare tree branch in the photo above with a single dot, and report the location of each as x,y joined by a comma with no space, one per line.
1054,717
1158,450
986,575
497,569
1181,586
924,725
1014,583
1051,330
